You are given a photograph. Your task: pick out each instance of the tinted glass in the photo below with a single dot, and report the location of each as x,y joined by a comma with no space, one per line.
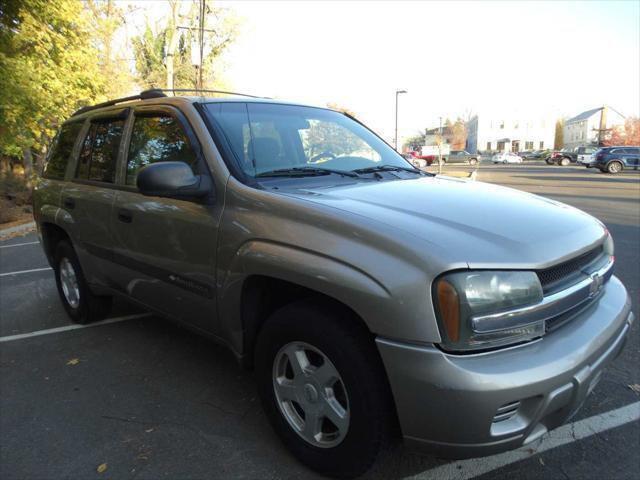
158,138
267,137
61,151
634,151
99,151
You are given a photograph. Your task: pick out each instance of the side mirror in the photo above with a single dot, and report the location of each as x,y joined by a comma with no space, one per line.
173,180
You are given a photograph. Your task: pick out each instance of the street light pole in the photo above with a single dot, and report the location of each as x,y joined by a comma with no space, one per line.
396,137
440,148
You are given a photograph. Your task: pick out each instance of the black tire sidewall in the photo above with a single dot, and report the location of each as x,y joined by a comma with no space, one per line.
367,401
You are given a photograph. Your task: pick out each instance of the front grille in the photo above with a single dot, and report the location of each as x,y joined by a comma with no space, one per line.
552,276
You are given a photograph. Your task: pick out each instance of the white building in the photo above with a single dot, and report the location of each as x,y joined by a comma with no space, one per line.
587,128
500,134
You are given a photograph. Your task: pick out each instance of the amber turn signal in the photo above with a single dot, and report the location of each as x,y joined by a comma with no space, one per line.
449,306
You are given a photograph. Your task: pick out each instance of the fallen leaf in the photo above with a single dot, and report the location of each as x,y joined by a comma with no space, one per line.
149,431
541,461
73,361
635,387
102,468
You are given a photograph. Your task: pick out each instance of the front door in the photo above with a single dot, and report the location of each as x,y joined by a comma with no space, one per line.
166,248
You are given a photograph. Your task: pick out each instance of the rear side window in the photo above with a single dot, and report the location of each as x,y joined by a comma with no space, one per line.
633,151
157,138
61,151
99,152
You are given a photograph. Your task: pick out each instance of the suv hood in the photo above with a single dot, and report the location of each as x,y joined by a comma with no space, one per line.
484,225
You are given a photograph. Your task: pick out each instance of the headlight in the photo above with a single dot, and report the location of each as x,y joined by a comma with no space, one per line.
465,302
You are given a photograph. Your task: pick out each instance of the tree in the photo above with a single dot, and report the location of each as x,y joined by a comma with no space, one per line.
558,139
163,53
415,142
458,135
48,68
627,134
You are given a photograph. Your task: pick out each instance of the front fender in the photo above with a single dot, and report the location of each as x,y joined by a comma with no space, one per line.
365,295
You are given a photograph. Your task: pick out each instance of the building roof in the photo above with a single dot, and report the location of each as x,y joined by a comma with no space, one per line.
589,113
584,115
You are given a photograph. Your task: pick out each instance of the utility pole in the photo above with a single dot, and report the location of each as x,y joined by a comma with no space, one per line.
396,137
202,14
440,147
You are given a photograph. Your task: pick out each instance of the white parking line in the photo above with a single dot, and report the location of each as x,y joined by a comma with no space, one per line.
25,271
66,328
19,244
468,469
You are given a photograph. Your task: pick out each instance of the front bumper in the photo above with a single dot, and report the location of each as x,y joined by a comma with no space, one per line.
473,405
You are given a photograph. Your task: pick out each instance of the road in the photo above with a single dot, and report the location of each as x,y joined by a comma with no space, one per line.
143,398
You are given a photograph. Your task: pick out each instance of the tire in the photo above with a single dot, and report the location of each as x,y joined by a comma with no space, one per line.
614,167
549,160
473,161
564,161
362,390
81,304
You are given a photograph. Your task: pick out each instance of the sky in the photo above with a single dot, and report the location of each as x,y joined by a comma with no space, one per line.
528,59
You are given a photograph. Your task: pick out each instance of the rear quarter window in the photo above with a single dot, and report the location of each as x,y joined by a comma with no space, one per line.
60,155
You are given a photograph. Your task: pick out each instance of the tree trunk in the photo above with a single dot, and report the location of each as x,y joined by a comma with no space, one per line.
27,159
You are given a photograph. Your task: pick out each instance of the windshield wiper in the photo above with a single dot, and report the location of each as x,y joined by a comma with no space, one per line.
305,171
389,168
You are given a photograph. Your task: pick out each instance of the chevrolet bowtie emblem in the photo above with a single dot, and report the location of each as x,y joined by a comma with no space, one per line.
596,285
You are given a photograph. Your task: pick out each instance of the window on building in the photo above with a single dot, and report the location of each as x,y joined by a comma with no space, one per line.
488,146
528,145
541,145
502,125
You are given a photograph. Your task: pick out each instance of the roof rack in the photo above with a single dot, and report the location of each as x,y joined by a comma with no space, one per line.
153,93
204,91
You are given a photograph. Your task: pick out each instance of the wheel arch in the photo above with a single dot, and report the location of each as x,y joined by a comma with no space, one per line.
52,234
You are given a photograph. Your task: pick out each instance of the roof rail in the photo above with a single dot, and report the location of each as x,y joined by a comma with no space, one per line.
205,91
153,93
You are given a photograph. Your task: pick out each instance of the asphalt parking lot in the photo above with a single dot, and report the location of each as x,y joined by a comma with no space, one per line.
143,398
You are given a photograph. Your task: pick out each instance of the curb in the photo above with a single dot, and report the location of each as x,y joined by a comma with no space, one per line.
18,229
463,175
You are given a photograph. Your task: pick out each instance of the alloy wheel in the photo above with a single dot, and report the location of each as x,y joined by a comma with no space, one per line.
311,395
69,283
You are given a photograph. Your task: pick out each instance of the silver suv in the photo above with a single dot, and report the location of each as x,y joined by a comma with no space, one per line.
369,297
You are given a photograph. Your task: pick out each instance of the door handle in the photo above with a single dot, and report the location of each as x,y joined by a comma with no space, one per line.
125,215
69,203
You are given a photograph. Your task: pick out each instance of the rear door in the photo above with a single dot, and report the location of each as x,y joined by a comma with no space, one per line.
88,198
165,248
632,157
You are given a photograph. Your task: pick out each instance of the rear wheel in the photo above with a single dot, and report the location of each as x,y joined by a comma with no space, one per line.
323,388
473,161
81,304
614,167
549,160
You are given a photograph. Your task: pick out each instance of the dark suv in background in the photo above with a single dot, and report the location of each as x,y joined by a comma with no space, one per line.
615,159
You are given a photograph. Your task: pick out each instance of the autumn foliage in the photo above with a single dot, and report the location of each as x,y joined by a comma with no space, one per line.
627,134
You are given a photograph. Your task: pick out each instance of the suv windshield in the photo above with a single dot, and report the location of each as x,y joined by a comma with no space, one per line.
275,139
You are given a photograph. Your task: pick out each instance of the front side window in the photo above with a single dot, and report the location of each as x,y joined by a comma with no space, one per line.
157,138
268,137
99,152
61,151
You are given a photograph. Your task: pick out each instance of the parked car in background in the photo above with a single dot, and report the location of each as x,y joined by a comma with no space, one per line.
567,156
462,156
415,160
418,160
506,157
615,159
534,155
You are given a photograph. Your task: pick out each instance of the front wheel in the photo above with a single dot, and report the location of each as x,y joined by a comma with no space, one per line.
614,167
82,305
549,160
323,388
564,161
473,161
